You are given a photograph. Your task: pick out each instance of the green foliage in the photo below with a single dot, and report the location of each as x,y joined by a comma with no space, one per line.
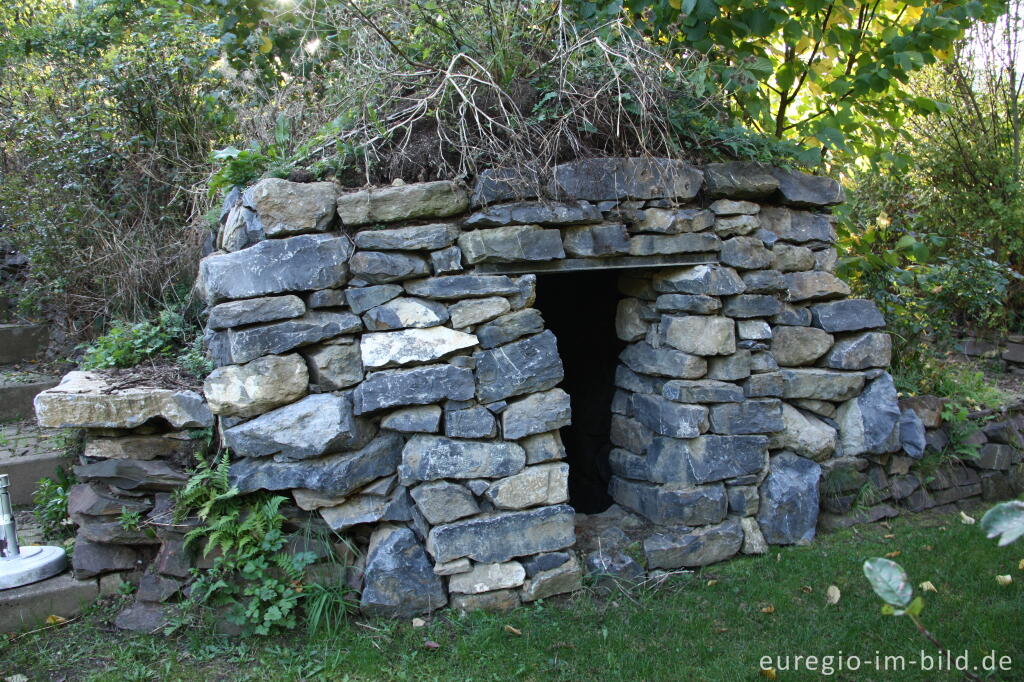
255,579
831,75
126,345
51,505
1005,521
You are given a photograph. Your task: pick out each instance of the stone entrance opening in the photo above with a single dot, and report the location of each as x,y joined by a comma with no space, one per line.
580,309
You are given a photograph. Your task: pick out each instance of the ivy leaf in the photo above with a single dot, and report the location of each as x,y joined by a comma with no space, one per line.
1005,521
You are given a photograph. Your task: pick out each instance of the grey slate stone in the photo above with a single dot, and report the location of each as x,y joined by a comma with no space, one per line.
502,184
543,447
739,180
428,458
748,417
418,419
381,267
543,562
629,380
706,391
731,367
743,499
327,298
303,263
673,504
474,422
866,423
453,287
333,366
764,281
535,213
669,418
693,547
764,385
801,227
746,253
337,475
706,459
361,300
793,316
525,366
412,238
399,580
501,536
667,245
405,312
630,434
789,500
276,338
847,316
438,199
870,349
131,474
444,501
687,303
713,280
417,386
536,414
510,327
626,178
446,261
311,427
821,384
912,434
595,241
746,306
286,208
511,244
795,346
250,311
801,189
643,358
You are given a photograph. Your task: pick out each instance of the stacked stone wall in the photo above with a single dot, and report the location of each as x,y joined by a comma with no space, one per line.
380,360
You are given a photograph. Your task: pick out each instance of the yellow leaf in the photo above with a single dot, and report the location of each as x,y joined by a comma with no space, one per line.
832,594
712,582
821,67
418,622
893,555
815,88
927,586
55,620
266,44
803,44
807,589
966,520
1004,580
769,673
513,631
913,13
768,609
1020,566
674,4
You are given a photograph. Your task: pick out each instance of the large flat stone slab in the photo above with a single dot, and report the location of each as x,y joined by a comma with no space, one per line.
89,400
28,606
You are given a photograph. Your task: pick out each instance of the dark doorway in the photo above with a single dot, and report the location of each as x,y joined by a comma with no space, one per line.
580,309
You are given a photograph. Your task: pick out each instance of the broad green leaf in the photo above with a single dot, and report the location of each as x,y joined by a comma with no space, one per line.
1005,520
889,581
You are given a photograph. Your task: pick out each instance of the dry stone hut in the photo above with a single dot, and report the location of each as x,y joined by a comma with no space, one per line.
450,376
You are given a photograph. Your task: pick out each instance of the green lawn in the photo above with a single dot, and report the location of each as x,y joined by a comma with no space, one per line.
712,625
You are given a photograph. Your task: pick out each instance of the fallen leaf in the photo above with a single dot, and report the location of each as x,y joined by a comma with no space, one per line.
927,548
1004,580
769,673
886,525
807,589
721,630
893,555
712,582
889,536
16,678
768,609
515,631
832,594
418,622
430,644
967,520
55,620
1020,566
927,586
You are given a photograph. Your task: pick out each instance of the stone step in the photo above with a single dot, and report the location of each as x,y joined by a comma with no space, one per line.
28,606
29,453
18,388
22,342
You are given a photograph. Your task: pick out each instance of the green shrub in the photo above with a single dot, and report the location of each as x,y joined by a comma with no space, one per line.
127,345
51,505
